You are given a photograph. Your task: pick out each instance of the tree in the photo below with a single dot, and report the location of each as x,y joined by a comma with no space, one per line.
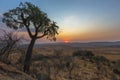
8,42
36,22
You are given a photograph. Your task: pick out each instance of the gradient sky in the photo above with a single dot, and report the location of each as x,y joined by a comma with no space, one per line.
79,20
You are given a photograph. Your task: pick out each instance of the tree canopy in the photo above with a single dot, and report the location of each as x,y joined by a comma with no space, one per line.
31,17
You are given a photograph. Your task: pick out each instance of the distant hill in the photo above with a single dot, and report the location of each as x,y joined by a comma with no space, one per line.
96,44
78,44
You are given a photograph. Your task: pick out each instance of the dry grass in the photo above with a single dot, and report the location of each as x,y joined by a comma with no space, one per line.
8,72
83,69
57,63
113,57
112,54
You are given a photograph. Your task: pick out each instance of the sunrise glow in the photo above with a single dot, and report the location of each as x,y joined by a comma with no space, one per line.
66,41
84,21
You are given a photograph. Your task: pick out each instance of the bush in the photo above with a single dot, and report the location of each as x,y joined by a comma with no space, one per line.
99,59
91,57
42,77
83,54
8,43
58,52
89,54
116,71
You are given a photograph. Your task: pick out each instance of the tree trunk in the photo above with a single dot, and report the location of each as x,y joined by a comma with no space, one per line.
27,61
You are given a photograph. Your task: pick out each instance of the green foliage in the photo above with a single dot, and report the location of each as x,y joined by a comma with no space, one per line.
31,17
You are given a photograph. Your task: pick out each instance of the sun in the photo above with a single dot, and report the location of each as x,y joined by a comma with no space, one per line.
66,41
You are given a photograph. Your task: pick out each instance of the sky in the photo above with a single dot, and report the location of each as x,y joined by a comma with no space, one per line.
78,20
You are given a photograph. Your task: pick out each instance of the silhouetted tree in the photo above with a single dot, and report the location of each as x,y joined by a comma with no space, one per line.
36,22
8,42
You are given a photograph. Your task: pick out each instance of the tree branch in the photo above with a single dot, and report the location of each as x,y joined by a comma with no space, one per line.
37,29
41,36
44,34
27,26
29,32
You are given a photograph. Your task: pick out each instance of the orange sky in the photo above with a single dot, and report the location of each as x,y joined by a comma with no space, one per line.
82,35
79,20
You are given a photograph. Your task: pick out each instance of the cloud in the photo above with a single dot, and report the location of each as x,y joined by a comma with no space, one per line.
70,21
70,24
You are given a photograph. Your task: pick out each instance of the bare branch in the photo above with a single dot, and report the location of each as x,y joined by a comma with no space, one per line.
8,42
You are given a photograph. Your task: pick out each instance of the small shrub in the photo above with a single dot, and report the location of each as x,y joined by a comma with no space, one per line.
113,62
83,54
89,54
116,71
99,59
76,53
58,52
114,77
42,77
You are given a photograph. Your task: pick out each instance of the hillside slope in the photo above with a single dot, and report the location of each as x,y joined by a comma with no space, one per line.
59,64
8,72
82,65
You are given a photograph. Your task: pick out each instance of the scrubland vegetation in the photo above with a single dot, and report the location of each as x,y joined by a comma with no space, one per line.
58,63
